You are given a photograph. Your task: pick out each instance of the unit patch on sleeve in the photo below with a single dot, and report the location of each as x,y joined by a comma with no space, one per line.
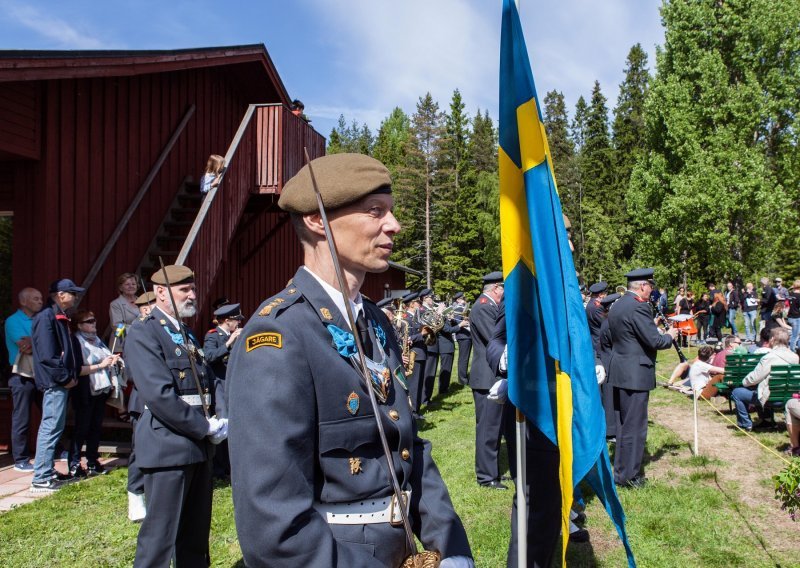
267,339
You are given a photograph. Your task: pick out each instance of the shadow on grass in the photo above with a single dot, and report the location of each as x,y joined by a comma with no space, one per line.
742,515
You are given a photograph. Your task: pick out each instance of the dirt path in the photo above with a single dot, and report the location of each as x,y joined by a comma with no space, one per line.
743,469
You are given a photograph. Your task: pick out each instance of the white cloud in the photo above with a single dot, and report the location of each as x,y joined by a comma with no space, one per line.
59,32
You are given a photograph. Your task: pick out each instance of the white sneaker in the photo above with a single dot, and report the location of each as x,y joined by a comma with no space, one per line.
136,507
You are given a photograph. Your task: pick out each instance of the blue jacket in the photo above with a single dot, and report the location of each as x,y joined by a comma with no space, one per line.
57,358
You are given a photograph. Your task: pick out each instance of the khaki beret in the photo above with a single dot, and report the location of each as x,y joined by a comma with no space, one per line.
146,298
176,273
341,179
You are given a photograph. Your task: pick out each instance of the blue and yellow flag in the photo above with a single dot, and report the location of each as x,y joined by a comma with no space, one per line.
551,375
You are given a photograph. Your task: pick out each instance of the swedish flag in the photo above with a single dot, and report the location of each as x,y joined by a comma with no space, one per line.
551,376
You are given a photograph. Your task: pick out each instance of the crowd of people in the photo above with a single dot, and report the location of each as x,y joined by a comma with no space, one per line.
287,404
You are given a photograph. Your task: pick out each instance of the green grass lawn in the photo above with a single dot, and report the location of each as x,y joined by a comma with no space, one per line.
686,520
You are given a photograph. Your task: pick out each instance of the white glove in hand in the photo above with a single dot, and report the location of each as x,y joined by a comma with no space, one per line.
457,562
504,360
499,392
600,372
214,426
222,433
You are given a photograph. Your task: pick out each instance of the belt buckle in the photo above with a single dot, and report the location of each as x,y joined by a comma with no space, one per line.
392,505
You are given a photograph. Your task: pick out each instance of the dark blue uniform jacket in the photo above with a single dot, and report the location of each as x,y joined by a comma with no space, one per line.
300,417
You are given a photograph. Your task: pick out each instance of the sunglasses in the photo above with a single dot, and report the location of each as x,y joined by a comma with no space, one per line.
92,320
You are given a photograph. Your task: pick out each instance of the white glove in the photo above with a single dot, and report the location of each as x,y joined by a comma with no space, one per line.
457,562
504,360
214,426
222,433
499,392
600,372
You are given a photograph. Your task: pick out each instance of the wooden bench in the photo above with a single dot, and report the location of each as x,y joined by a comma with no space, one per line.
784,381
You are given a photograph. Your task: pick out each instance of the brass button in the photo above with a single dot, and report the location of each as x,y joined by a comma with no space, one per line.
405,454
394,415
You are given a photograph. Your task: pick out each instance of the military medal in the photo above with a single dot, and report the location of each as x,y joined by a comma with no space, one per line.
352,403
326,313
355,466
178,351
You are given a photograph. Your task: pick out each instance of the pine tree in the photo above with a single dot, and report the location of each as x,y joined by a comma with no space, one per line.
579,122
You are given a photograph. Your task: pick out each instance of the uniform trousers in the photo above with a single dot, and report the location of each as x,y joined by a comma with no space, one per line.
431,364
464,351
544,495
488,431
178,517
630,408
607,396
135,475
416,383
445,371
23,393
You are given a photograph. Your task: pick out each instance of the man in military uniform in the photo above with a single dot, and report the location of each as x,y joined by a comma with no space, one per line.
177,429
635,339
416,382
595,314
488,415
136,505
447,349
604,353
217,347
463,336
310,484
432,347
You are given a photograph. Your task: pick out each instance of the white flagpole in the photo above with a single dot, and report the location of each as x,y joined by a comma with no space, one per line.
522,500
695,393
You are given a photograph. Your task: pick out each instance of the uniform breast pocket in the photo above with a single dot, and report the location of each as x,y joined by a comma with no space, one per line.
350,459
181,371
645,362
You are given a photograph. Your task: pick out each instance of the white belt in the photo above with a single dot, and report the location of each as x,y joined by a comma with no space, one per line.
368,511
193,400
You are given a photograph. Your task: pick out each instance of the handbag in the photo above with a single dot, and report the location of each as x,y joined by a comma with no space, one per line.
23,365
99,382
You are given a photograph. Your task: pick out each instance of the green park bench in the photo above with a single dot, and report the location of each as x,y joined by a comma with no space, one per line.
736,368
784,381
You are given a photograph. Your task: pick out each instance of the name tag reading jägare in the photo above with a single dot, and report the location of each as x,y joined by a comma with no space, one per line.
267,339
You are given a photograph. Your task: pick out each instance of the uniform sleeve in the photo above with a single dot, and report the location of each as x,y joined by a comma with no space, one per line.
482,322
272,441
154,381
436,523
214,347
496,346
646,330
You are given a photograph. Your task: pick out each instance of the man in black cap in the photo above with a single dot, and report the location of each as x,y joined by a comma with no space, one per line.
635,340
431,345
416,382
463,336
57,363
453,324
594,313
176,433
488,415
309,474
217,346
604,353
136,505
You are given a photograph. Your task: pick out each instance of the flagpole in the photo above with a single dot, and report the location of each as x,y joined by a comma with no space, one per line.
695,393
522,501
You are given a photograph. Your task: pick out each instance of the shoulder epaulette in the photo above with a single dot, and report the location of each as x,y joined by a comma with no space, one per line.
279,302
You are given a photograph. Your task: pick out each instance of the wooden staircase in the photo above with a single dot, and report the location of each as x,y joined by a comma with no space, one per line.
170,237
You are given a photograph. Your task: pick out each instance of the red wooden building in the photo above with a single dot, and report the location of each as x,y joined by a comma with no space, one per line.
100,154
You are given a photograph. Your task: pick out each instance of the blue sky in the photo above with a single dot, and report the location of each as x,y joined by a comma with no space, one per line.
364,57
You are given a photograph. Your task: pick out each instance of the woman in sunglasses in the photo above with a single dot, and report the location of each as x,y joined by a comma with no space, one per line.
89,397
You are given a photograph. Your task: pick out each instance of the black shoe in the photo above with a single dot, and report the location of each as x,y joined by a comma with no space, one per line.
580,519
77,472
495,484
580,535
505,478
765,425
58,476
94,469
49,486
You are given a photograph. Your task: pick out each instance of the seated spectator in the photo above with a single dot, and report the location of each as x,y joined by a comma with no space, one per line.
755,385
212,176
701,369
90,394
730,344
777,320
793,424
763,343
